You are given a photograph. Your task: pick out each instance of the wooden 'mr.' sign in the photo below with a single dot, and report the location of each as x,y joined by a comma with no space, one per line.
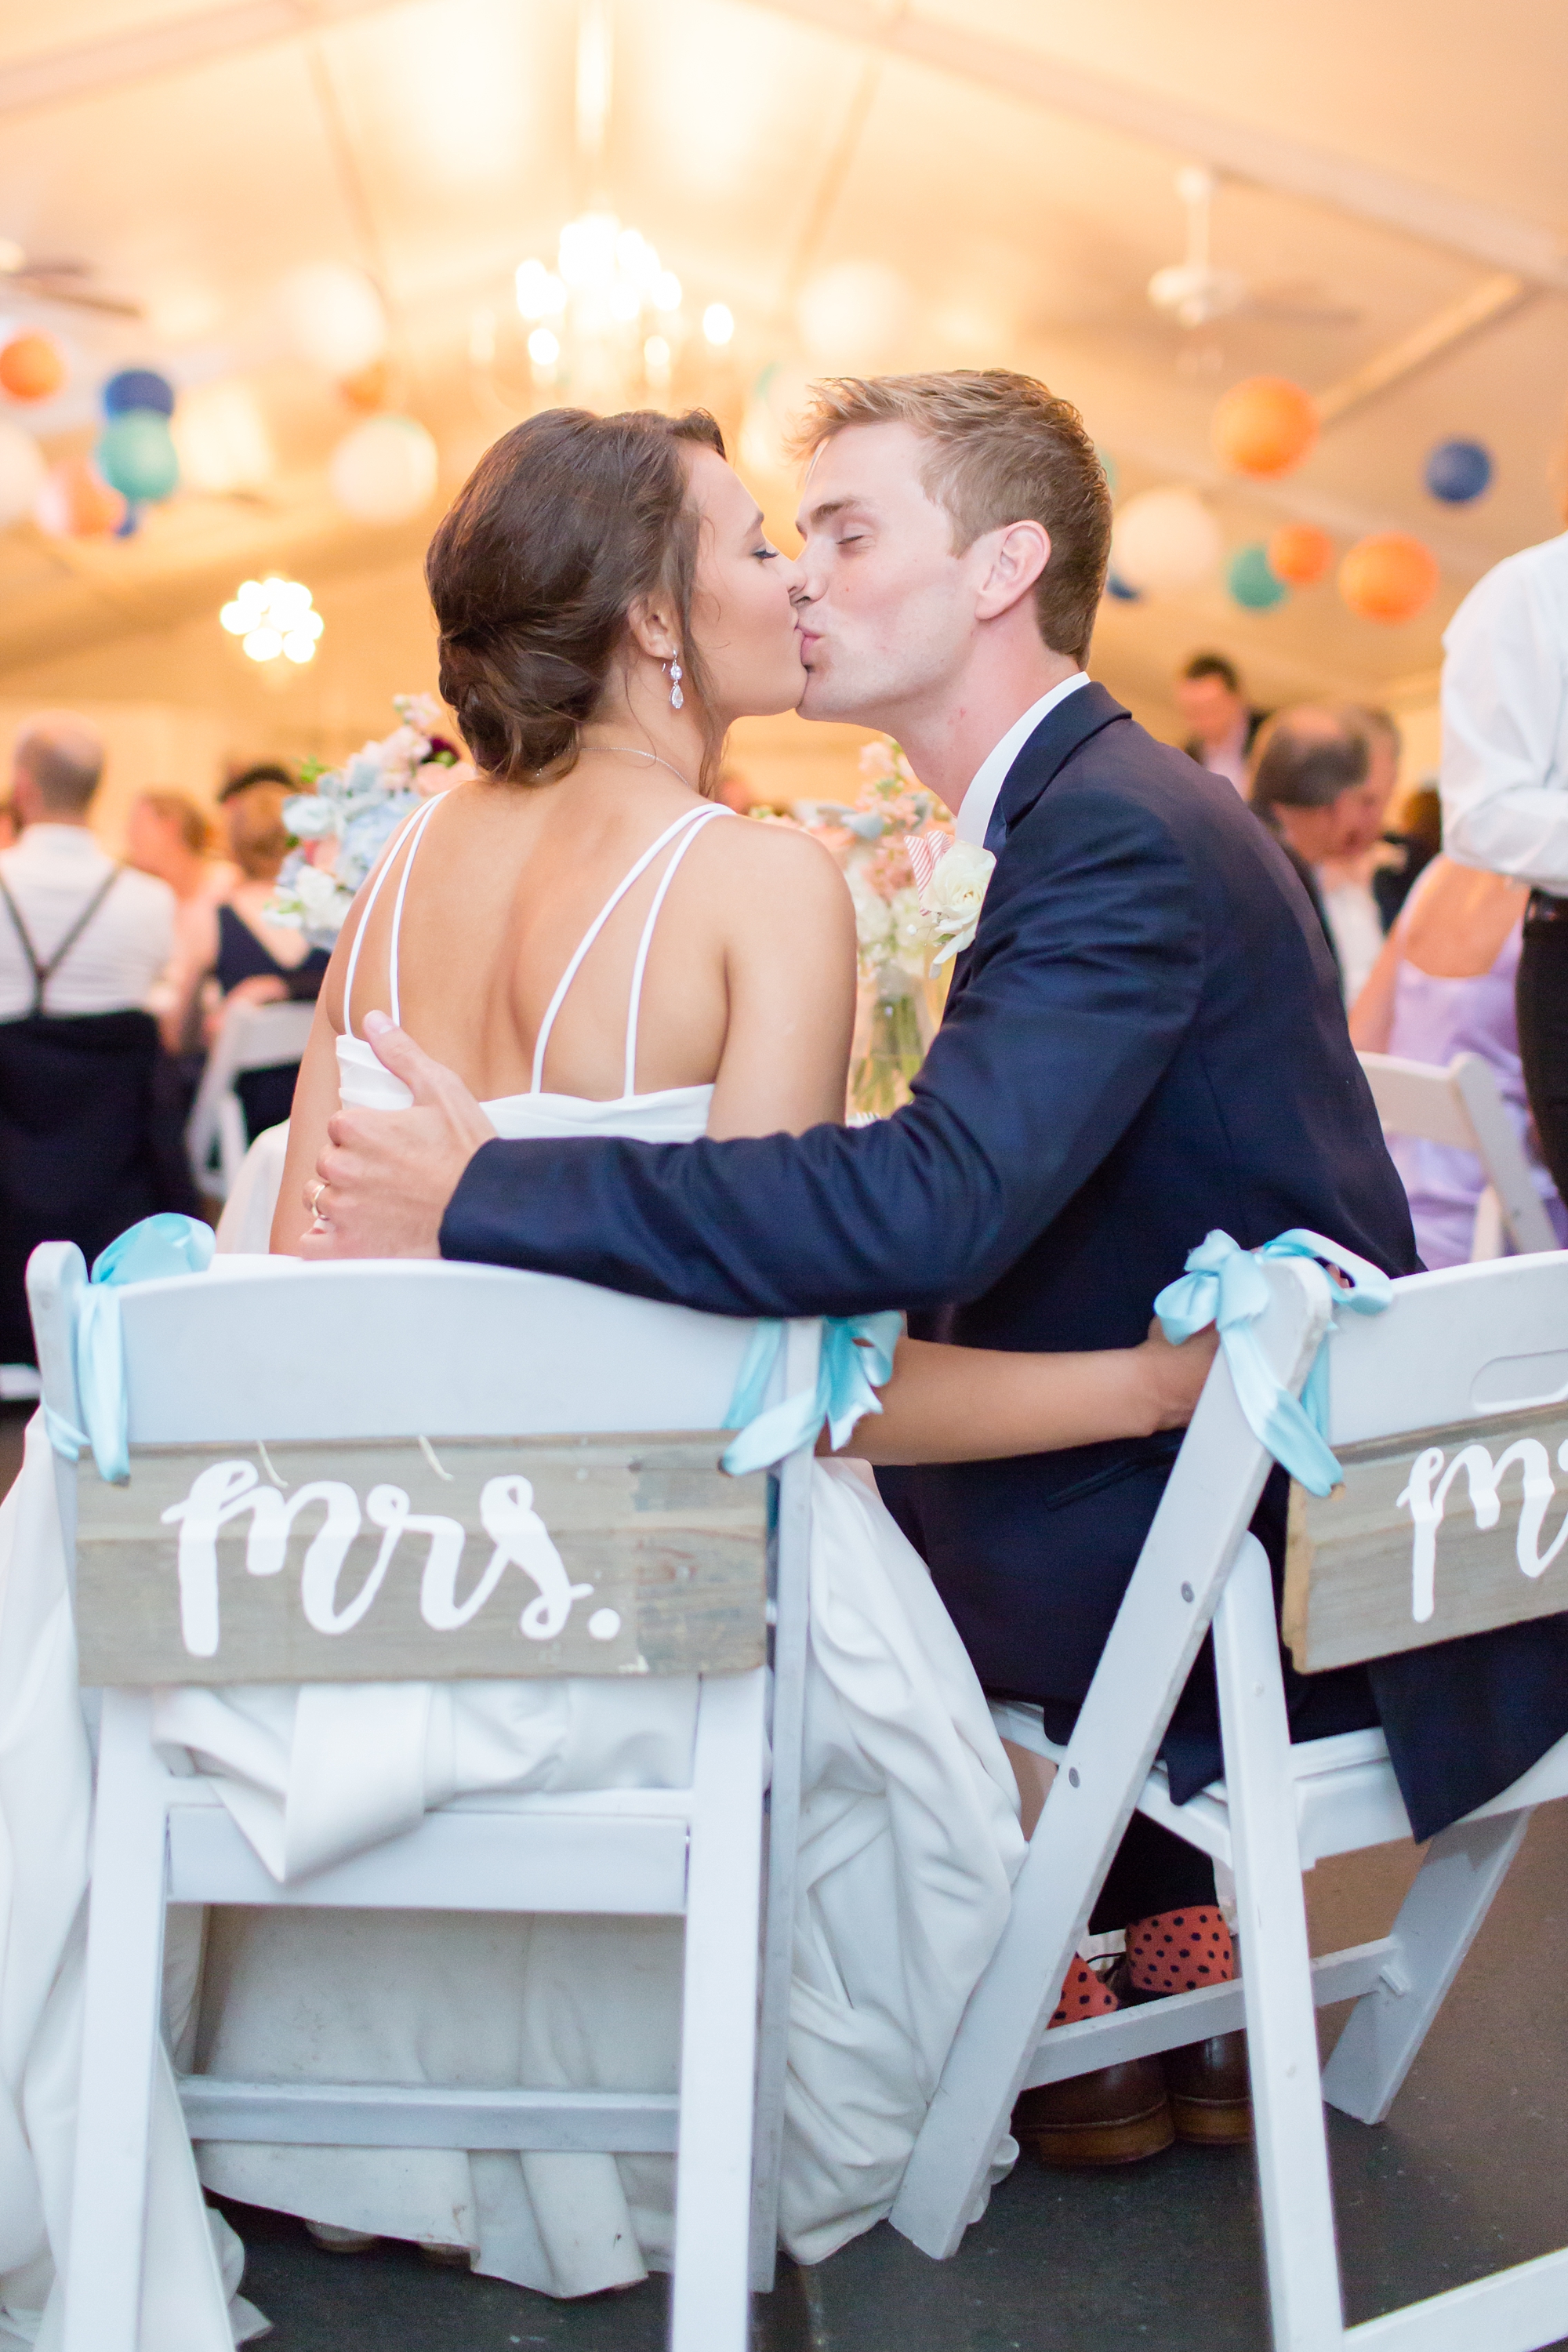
1443,1532
386,1561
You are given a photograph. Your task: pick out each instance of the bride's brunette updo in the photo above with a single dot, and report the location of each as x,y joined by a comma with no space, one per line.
564,522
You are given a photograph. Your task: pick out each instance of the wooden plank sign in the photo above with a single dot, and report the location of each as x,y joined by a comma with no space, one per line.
388,1562
1432,1535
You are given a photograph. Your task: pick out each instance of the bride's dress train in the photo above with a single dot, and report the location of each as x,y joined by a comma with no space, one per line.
908,1843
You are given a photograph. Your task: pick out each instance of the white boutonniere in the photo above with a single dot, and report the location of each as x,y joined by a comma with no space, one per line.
953,897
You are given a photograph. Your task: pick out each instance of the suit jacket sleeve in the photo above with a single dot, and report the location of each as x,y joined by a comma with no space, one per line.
1086,970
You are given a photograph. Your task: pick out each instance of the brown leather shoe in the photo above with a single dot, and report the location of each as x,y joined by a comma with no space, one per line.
1210,2090
1211,2096
1118,2115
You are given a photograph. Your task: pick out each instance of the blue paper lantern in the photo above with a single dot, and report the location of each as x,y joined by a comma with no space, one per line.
1121,591
1252,581
135,388
136,456
1457,471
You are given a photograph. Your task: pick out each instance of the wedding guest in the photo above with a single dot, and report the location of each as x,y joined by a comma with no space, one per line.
1314,784
10,825
55,871
169,834
1444,985
1408,848
233,944
87,1143
1505,792
1223,722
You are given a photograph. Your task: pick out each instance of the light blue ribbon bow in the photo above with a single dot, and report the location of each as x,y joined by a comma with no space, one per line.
1223,1286
148,1252
856,1359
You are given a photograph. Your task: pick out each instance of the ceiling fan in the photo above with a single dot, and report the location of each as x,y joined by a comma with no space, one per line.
58,281
1195,293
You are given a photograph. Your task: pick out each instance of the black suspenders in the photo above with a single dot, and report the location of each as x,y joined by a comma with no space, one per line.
44,972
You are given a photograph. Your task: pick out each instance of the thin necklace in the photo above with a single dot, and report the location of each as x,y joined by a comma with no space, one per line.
635,751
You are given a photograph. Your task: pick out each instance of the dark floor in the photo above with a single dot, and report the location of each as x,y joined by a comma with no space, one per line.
1467,2175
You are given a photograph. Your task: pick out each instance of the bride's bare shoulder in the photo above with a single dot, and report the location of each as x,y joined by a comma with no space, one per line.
779,859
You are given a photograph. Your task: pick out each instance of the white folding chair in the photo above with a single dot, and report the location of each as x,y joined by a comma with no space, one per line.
347,1373
1465,1368
252,1037
1461,1106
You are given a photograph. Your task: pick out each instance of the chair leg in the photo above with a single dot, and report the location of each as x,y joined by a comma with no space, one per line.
119,2031
1437,1923
711,2301
1292,2148
790,1638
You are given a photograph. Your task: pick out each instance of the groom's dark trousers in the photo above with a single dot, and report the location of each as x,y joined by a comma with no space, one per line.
1145,1041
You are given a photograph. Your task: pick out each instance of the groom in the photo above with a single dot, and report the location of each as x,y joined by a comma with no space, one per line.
1144,1041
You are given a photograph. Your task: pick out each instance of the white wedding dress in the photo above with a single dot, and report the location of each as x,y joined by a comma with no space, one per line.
909,1842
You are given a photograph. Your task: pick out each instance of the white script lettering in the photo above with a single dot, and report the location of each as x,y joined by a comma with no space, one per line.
1426,1501
223,1492
226,1490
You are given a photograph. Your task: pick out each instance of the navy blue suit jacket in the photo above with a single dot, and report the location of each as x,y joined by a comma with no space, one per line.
1145,1041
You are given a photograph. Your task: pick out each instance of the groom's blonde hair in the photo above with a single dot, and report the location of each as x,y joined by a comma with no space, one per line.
1003,449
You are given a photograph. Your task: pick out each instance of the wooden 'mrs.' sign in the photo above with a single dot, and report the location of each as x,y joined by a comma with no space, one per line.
1444,1532
387,1562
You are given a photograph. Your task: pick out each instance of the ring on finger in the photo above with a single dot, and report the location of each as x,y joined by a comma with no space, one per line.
313,1195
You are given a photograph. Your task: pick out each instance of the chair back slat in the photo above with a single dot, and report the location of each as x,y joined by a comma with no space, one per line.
267,1348
1466,1343
356,1562
1449,1417
1463,1106
397,1471
1417,1099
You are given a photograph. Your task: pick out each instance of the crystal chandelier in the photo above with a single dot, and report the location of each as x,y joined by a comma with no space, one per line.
608,317
607,295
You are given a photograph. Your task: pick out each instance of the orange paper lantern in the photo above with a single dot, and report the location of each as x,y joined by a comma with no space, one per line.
75,502
367,389
32,367
1300,553
1389,577
1264,426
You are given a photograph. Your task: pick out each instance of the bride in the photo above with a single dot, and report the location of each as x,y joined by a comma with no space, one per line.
594,945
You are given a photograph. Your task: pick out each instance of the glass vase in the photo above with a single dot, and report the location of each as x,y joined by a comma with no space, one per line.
895,1048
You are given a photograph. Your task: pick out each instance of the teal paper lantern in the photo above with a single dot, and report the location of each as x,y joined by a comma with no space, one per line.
1252,581
136,456
1113,477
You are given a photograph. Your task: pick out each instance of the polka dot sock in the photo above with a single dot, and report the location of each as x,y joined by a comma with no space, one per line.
1176,1952
1083,1995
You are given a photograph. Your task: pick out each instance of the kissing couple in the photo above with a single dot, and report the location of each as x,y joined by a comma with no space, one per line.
623,1016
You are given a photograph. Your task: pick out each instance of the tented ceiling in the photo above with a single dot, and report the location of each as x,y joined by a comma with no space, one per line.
865,186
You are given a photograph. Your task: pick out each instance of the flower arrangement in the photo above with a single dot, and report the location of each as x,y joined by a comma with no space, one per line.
917,896
342,823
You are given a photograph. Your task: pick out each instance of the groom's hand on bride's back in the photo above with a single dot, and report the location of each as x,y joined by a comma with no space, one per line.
385,1178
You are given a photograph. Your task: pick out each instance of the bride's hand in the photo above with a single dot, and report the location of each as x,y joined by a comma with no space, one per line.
384,1180
1177,1374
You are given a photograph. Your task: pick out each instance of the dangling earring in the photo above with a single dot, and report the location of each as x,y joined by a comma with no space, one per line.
672,671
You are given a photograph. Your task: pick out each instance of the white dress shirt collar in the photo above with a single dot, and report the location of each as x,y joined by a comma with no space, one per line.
44,842
980,800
